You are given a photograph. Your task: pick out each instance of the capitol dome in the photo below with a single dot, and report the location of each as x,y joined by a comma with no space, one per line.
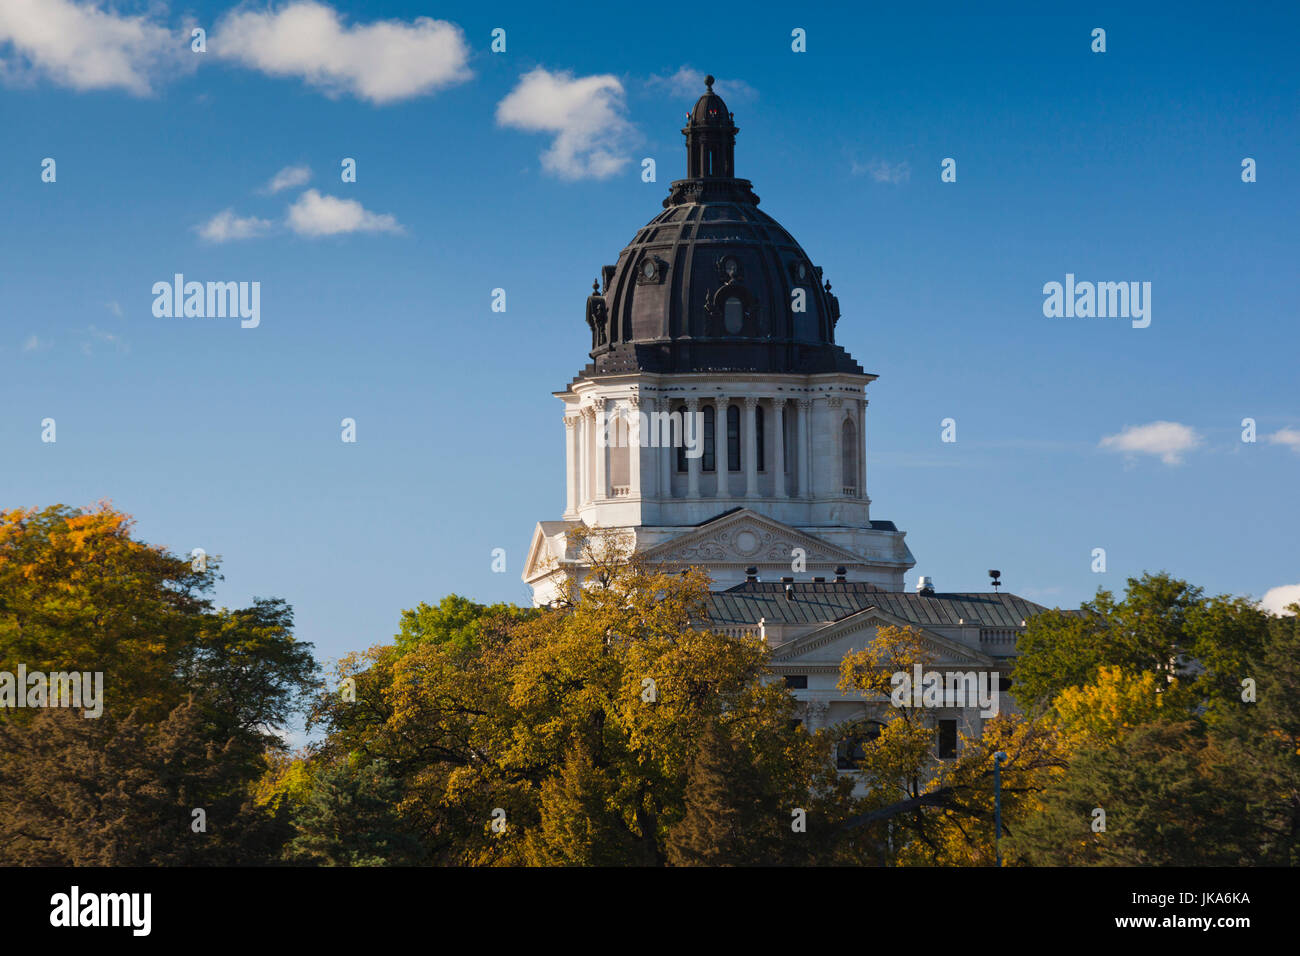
712,283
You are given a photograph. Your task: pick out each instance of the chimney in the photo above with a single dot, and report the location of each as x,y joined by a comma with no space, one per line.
751,575
925,585
840,573
789,592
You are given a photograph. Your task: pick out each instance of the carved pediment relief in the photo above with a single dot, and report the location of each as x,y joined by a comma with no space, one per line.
747,538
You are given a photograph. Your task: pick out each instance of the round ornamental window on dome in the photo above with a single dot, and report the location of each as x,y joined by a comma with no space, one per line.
648,269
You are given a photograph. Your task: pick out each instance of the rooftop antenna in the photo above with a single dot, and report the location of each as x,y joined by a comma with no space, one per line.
996,583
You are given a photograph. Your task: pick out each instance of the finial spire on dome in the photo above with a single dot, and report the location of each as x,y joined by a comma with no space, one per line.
708,82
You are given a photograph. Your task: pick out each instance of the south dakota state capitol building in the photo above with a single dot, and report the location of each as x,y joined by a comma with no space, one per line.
714,310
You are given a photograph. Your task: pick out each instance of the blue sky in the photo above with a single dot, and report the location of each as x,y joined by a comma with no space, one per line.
521,170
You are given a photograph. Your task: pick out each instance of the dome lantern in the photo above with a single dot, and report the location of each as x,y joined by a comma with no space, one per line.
710,138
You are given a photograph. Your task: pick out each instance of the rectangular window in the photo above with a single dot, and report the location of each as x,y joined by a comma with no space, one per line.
947,739
796,681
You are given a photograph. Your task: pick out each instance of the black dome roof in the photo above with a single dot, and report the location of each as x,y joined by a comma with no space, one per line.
712,283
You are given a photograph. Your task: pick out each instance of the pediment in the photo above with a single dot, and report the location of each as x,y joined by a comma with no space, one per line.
746,537
542,559
829,643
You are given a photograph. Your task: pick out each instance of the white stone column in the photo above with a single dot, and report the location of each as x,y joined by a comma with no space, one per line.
751,447
634,447
584,453
778,451
721,462
803,447
862,448
835,435
667,453
693,464
571,463
601,448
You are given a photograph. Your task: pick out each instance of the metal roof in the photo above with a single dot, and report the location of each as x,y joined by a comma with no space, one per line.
820,603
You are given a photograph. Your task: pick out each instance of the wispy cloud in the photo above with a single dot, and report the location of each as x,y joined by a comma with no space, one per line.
226,226
882,171
314,216
114,307
288,178
382,62
585,114
78,44
1277,599
688,82
97,337
1169,440
1287,436
34,343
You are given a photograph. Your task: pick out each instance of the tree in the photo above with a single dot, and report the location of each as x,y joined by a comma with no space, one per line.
579,722
122,791
348,817
456,621
1162,805
919,809
733,817
77,592
192,698
1163,626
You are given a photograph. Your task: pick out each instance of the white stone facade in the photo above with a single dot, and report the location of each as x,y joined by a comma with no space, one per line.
790,448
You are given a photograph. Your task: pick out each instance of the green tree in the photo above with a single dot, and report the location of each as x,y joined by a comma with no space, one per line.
191,699
349,818
1165,804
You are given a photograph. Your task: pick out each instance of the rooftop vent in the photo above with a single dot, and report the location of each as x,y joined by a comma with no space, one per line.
787,580
925,585
789,592
751,574
819,580
840,573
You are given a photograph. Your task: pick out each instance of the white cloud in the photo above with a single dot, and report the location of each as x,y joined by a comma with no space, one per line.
315,215
34,343
1287,436
1169,440
586,115
883,172
110,339
382,62
288,178
226,226
1277,599
115,307
77,44
688,82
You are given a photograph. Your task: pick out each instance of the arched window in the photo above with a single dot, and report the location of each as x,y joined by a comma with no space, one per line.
733,316
759,446
849,445
733,438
